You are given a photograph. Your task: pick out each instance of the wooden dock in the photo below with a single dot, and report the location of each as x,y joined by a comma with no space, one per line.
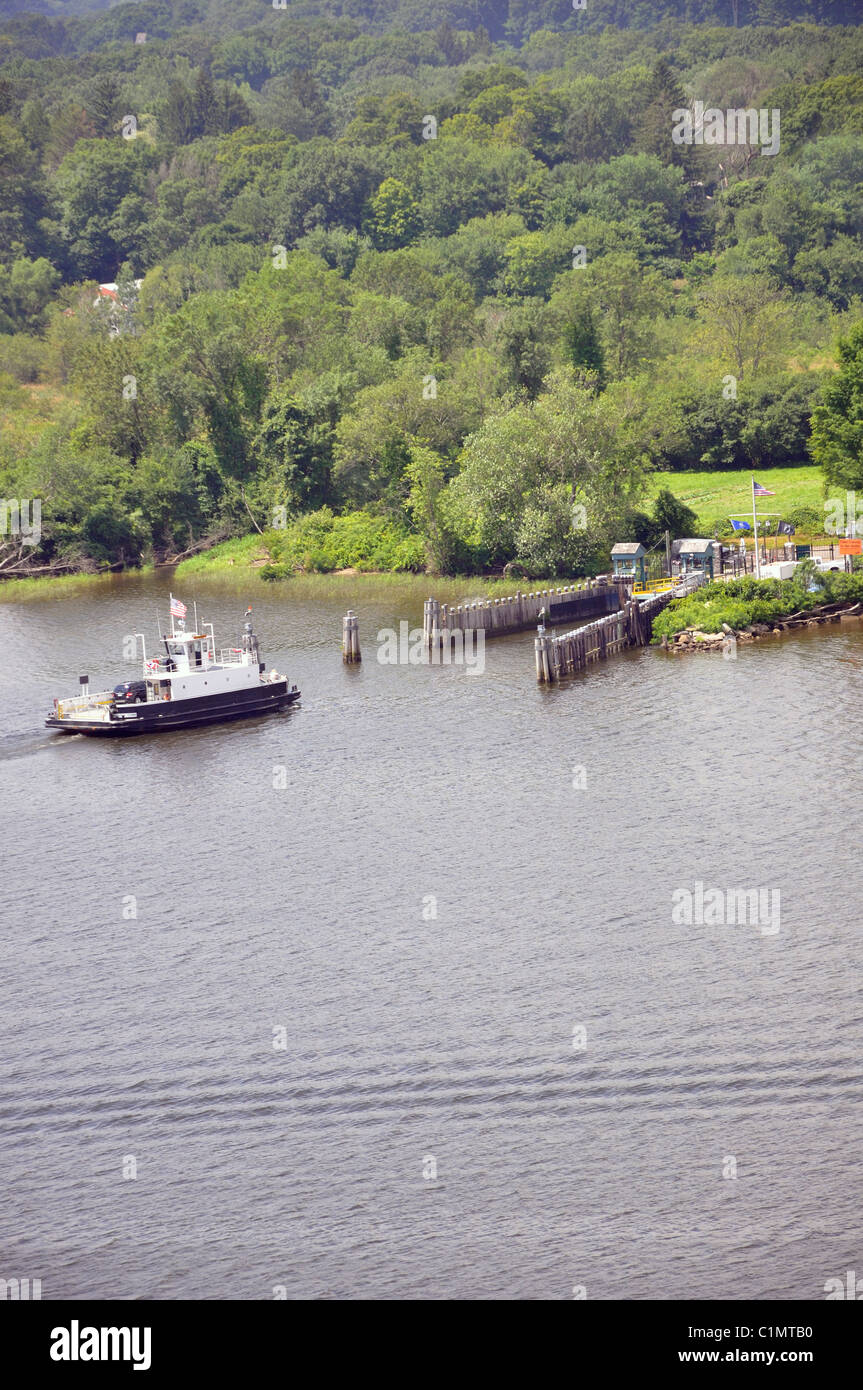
569,652
499,616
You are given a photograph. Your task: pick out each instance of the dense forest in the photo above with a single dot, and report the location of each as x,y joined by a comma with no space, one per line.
414,285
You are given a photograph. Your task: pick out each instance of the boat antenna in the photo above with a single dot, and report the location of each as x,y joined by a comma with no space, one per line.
195,602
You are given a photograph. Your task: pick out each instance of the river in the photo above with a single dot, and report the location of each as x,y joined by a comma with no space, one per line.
424,1022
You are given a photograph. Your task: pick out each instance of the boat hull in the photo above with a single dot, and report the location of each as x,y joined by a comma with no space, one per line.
167,716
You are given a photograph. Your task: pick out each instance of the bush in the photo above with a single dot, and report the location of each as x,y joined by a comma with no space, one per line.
807,519
321,542
21,357
741,602
276,571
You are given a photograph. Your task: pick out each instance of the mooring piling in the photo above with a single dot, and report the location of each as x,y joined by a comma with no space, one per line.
432,635
542,645
351,638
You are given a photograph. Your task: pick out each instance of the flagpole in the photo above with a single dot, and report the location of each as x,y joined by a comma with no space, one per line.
755,524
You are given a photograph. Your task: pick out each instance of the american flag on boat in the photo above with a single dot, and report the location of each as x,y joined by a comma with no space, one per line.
178,609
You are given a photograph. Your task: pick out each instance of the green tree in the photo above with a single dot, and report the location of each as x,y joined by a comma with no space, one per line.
478,250
462,179
425,474
324,185
119,411
23,202
834,272
422,404
177,119
747,319
524,345
204,104
26,289
92,182
599,124
653,129
837,422
582,343
205,374
627,300
297,453
394,216
670,514
530,469
103,107
533,260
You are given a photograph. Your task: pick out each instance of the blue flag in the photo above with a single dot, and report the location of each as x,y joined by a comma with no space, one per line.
741,525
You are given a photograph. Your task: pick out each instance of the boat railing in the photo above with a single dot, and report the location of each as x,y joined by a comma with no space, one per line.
77,703
231,656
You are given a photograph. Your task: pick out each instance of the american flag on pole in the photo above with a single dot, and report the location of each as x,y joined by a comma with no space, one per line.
760,491
178,609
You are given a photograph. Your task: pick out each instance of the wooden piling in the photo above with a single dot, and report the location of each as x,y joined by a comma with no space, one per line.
433,622
542,644
351,638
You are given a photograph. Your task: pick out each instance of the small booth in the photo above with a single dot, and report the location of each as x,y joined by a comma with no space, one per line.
627,557
696,554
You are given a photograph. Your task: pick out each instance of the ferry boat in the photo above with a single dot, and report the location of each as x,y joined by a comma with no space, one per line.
190,684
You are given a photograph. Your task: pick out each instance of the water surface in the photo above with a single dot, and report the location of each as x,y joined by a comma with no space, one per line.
419,920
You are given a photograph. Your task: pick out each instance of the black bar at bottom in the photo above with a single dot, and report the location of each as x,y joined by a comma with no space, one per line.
94,1339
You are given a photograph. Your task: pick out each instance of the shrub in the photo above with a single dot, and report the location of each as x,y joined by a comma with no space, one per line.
742,602
21,357
807,519
321,542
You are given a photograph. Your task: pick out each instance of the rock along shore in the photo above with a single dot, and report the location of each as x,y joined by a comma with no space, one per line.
692,639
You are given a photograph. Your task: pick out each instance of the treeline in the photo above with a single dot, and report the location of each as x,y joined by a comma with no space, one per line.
471,288
513,20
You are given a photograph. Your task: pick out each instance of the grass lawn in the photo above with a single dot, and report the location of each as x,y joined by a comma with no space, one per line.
716,495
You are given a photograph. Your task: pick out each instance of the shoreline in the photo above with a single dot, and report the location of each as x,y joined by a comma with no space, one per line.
696,640
44,584
312,584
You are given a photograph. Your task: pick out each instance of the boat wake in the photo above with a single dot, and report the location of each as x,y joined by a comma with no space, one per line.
14,746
